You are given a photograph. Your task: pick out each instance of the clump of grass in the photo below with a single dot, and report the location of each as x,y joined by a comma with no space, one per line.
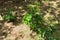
35,21
8,16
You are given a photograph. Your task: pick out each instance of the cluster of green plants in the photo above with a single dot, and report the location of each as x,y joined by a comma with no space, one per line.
36,23
8,15
35,20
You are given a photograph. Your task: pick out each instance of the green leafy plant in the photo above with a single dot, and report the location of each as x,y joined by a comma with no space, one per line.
8,15
36,23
